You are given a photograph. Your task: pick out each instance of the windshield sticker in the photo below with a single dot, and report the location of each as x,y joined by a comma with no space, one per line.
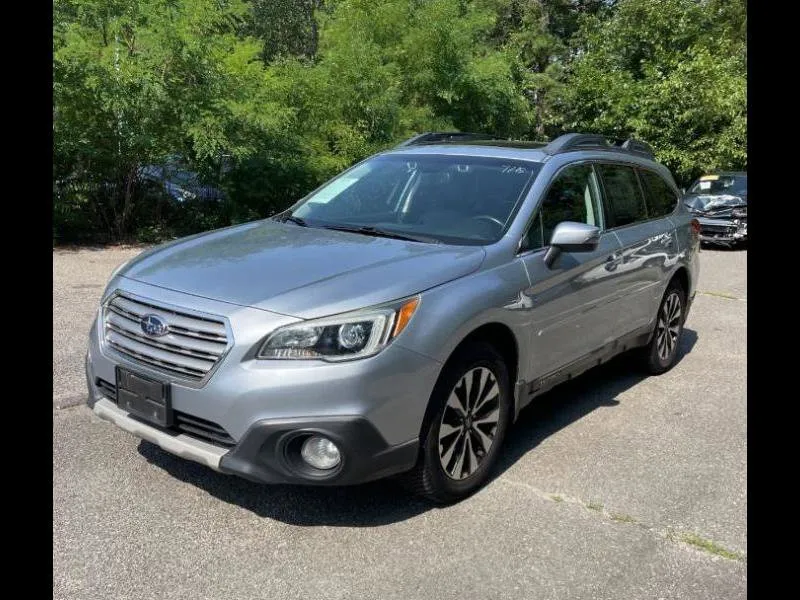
709,178
333,189
705,185
514,169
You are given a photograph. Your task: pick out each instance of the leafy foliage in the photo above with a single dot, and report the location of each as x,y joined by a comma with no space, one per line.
265,99
671,72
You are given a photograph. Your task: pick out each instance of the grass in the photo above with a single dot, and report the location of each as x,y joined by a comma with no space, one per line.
711,547
557,498
594,506
622,518
721,295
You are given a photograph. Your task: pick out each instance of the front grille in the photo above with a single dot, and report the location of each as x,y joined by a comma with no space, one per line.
189,350
203,429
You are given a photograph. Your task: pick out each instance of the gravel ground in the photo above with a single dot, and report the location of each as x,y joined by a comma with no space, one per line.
613,486
79,277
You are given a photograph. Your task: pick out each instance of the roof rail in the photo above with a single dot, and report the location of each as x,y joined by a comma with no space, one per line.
575,141
437,137
637,147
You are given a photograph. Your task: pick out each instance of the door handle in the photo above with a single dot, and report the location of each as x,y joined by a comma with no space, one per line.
613,261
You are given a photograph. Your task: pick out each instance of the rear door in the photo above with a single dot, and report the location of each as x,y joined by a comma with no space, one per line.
572,299
637,212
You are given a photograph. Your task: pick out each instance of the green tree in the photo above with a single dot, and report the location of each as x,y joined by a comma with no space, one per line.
136,82
671,72
285,27
293,91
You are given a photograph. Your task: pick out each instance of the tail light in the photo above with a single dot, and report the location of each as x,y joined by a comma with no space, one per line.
695,224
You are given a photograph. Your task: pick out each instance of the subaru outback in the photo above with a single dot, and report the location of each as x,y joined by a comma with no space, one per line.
397,319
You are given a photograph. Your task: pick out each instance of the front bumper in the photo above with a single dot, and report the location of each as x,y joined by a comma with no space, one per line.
722,231
264,454
371,408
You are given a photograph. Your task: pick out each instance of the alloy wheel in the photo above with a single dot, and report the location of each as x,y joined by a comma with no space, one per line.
669,326
469,423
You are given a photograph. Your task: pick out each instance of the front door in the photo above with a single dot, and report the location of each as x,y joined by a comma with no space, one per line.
572,301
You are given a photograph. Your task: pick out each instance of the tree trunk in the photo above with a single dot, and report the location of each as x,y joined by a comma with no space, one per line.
314,40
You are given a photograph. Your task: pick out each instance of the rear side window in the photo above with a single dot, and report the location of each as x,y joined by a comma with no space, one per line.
661,199
623,195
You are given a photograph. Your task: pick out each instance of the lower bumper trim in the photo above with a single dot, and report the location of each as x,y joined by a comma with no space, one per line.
178,444
261,455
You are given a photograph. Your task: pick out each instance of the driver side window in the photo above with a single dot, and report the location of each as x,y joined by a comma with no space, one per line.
574,195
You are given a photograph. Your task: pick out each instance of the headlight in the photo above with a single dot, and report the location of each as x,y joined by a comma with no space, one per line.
344,337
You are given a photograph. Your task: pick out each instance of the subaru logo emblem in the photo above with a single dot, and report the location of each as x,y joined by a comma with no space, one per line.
154,326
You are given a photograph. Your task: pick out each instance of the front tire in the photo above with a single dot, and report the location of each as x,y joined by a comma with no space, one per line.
465,426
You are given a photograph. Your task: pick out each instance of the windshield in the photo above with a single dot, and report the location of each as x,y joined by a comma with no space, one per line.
716,185
447,199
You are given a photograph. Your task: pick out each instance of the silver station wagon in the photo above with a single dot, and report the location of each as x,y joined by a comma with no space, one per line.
397,319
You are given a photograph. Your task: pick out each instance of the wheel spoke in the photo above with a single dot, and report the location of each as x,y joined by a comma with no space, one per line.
675,308
485,440
448,455
475,386
487,407
489,393
662,344
446,430
473,458
491,417
455,402
458,468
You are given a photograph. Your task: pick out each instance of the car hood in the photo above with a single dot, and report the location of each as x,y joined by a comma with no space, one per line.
300,271
714,205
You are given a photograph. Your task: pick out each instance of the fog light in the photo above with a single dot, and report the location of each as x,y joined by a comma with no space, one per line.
320,453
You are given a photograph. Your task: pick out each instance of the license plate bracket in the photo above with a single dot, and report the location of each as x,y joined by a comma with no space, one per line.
146,398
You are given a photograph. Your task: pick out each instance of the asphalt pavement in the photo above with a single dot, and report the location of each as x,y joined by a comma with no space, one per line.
612,486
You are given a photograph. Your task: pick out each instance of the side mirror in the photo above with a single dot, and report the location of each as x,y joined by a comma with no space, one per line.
569,236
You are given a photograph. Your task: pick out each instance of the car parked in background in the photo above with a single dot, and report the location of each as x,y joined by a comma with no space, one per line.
180,182
397,319
719,201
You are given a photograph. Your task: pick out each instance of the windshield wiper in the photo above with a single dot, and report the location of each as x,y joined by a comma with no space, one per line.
286,216
376,232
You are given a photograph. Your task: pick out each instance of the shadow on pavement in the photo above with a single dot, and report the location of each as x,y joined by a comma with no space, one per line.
569,402
384,502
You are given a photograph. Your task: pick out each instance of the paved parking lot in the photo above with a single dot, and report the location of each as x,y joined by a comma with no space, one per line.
614,486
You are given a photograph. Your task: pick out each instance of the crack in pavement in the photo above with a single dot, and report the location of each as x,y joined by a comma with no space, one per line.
687,539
